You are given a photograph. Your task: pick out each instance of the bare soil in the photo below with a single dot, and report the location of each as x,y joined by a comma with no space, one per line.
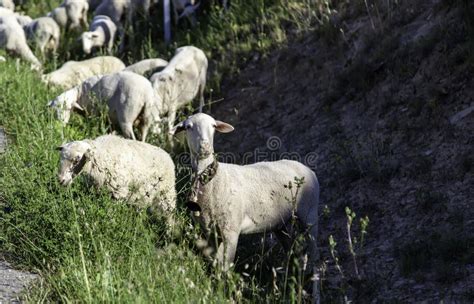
389,113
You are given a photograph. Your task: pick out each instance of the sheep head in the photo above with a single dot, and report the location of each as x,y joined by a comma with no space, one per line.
89,40
200,129
73,156
65,104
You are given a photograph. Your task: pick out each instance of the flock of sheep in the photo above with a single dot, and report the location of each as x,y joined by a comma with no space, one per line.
234,199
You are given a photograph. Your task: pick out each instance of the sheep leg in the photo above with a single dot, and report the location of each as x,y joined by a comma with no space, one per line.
226,251
171,119
127,130
313,258
144,128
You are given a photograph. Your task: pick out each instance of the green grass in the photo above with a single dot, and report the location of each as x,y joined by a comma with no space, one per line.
85,246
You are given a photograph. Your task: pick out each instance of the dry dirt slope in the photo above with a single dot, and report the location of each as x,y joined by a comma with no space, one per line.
389,112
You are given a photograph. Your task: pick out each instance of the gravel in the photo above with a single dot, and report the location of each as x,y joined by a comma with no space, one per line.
12,283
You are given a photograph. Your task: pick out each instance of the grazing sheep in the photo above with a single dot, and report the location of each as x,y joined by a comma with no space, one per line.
13,40
8,4
2,59
182,79
73,73
246,199
185,8
101,33
115,9
71,14
147,66
73,99
45,32
129,96
139,173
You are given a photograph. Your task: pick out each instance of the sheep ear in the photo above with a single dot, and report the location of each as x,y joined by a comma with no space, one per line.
178,128
223,127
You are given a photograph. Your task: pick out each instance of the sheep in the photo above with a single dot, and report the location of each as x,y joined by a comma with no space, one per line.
73,73
73,99
71,14
2,59
115,9
101,33
182,79
185,8
13,40
139,173
45,32
8,4
129,96
147,66
246,199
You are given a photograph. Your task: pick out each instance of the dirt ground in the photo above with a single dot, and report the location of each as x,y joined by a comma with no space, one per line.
385,117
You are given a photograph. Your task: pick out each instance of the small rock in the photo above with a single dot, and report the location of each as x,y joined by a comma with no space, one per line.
460,115
3,140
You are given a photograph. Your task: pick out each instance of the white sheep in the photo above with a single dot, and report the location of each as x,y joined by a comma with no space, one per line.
75,98
246,199
45,32
129,96
147,66
8,4
139,173
185,8
101,34
71,14
22,19
181,81
115,9
13,40
73,73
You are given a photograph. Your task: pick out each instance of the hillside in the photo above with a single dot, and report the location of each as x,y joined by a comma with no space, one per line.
386,116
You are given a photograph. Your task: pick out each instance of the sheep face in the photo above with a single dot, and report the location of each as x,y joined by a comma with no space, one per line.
89,40
73,158
64,104
200,129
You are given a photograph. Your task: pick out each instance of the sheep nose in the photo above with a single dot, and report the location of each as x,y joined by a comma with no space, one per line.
205,145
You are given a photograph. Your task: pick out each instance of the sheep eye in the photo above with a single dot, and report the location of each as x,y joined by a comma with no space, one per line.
188,127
